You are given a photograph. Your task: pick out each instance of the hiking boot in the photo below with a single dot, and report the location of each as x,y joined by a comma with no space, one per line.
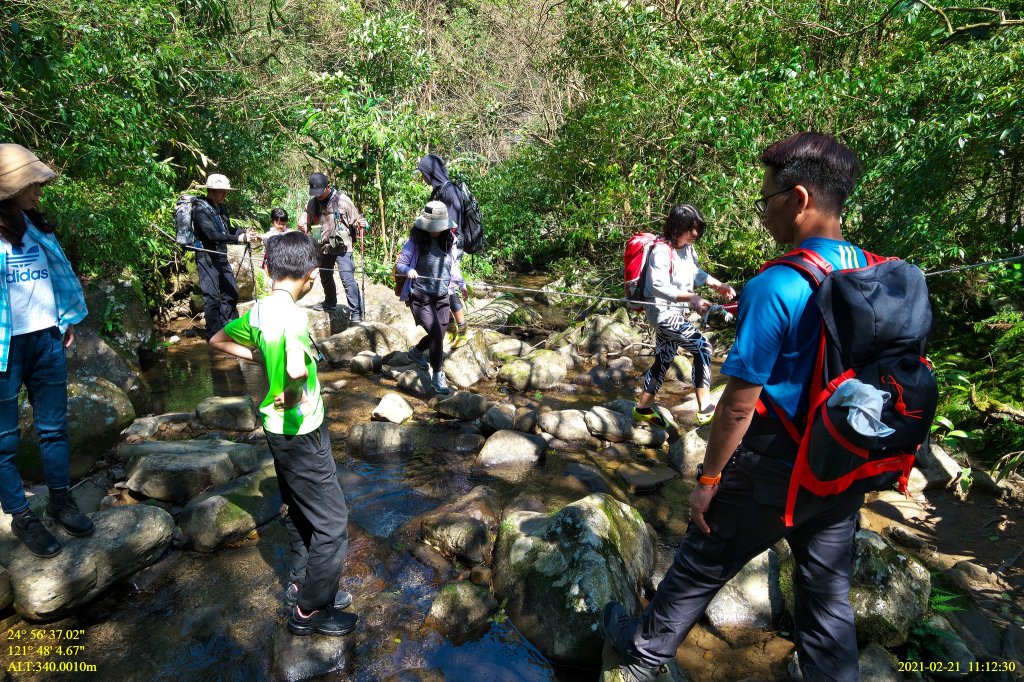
417,356
324,307
705,415
38,540
62,508
654,417
614,623
342,600
440,384
459,338
355,319
329,621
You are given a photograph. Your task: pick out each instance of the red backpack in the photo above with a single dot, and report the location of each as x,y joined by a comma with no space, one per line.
637,255
875,326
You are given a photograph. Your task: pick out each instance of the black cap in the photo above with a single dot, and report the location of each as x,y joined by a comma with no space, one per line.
317,184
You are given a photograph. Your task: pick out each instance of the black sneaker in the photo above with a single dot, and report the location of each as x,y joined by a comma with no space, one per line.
614,620
62,508
329,621
38,540
342,600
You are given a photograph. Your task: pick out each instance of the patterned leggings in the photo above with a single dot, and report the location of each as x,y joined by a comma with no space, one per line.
671,334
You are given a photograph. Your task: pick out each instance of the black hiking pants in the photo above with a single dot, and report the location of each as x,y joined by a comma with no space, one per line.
317,520
220,291
745,517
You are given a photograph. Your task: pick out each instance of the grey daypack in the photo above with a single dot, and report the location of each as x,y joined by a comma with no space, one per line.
184,233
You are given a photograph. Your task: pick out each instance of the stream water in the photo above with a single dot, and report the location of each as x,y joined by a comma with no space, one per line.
219,616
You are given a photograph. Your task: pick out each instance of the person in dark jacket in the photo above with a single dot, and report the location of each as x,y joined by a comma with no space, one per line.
433,172
214,232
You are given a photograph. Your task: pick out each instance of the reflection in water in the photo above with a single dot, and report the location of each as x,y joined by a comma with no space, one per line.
500,655
189,373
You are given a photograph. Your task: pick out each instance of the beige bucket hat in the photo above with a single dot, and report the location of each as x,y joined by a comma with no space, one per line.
434,218
217,181
20,168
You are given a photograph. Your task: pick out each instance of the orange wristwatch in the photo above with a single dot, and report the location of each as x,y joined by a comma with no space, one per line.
707,480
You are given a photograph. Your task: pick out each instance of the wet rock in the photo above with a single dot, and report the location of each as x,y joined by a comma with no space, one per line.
586,477
418,675
232,511
392,408
512,447
428,556
463,405
415,382
468,365
468,443
97,413
177,471
91,356
464,530
481,575
878,665
644,479
376,337
6,590
943,646
235,413
126,540
567,425
889,590
303,658
938,468
500,417
606,334
381,438
147,427
461,610
686,453
557,571
610,663
539,370
366,362
753,598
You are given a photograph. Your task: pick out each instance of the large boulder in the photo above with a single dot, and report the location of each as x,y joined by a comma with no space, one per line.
557,571
888,590
937,468
118,312
376,439
500,417
231,511
686,453
177,471
539,370
512,448
97,413
753,598
567,425
232,413
91,356
126,540
380,338
463,530
463,405
470,363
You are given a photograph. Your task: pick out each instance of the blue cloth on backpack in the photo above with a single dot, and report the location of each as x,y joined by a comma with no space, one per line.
865,407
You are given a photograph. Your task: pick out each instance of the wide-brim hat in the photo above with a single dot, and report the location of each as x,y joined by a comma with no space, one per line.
20,168
217,181
434,218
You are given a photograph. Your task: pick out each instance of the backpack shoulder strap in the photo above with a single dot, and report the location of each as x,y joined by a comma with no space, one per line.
806,261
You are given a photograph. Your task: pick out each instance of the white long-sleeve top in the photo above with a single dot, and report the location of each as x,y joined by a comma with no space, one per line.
671,272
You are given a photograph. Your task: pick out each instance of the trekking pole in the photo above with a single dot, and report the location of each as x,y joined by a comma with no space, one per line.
362,251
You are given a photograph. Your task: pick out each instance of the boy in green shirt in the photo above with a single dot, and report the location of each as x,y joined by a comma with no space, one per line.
293,419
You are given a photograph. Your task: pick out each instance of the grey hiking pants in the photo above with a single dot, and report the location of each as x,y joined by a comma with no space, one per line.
746,519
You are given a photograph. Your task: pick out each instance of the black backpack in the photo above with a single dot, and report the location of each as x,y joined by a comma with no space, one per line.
472,227
184,233
875,326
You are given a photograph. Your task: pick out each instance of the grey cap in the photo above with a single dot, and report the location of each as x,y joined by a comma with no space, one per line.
318,182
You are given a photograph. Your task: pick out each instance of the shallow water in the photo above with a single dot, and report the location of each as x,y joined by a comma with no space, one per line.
219,616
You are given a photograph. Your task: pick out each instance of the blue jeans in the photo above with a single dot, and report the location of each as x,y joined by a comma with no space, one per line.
346,269
36,361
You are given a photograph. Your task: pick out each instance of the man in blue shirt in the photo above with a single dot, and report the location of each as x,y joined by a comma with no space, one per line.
737,507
